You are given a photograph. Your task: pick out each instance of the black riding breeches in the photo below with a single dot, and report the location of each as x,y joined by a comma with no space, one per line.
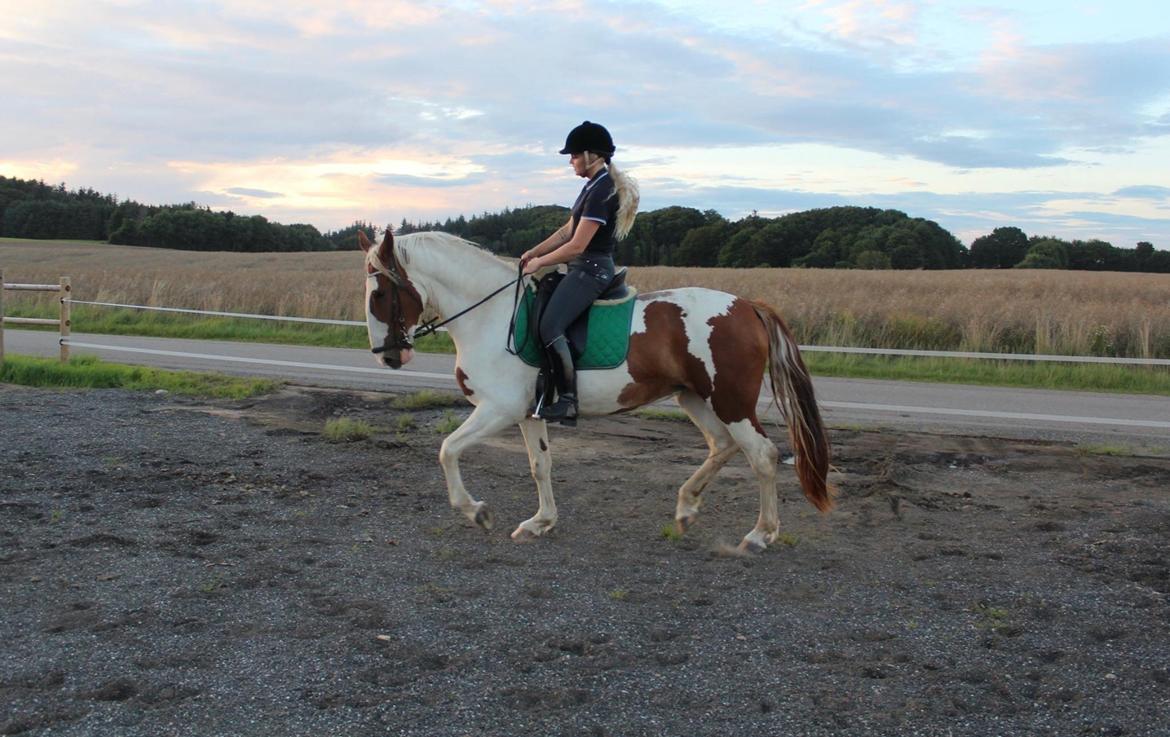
588,277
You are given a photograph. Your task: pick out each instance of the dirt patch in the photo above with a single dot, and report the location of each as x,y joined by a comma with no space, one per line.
173,567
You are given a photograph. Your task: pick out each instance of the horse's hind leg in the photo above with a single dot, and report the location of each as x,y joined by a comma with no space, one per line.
483,422
540,460
762,455
721,447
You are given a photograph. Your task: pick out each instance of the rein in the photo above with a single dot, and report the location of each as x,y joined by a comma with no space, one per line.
432,326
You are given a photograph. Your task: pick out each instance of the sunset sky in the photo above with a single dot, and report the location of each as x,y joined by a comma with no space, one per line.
1054,118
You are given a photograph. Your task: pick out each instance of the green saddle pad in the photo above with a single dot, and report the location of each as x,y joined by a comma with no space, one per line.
608,338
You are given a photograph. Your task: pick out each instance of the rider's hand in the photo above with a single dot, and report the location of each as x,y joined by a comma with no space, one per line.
529,263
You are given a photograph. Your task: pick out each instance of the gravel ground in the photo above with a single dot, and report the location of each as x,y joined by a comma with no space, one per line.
179,567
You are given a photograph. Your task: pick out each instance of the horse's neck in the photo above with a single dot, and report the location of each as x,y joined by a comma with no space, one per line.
455,277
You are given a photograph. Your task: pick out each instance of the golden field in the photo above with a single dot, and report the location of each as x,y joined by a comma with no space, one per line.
1080,313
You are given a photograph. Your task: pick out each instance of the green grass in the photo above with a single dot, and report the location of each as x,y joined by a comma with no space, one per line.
113,321
1037,375
89,372
426,399
1042,375
991,617
1117,451
657,413
404,422
449,423
346,430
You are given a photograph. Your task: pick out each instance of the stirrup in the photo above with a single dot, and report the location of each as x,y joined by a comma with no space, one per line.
564,411
541,395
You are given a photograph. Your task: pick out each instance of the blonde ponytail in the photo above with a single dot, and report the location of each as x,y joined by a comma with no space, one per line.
626,188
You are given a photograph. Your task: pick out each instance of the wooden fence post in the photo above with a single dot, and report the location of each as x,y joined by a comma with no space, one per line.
1,316
66,322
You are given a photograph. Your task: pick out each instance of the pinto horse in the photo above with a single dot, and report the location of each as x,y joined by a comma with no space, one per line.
709,349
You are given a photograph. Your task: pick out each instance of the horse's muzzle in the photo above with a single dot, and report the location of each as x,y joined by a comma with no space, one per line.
393,358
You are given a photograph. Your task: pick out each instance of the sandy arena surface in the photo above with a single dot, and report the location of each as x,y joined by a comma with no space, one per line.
183,567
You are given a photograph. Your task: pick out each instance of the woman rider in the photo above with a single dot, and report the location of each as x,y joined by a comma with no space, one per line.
602,215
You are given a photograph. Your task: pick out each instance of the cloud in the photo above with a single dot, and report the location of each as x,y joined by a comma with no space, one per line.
250,192
1145,191
459,107
406,180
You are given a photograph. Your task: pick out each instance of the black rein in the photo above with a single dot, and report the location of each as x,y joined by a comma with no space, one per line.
433,326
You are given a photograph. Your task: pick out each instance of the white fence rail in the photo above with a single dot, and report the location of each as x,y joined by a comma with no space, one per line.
66,301
809,348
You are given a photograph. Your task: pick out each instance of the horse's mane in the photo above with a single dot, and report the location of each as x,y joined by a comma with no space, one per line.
434,250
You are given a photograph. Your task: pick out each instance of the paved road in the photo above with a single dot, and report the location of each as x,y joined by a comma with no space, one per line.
1084,417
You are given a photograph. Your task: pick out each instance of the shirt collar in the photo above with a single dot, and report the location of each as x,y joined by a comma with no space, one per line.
603,172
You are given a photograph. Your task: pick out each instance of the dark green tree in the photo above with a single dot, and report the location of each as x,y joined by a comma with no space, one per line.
1003,248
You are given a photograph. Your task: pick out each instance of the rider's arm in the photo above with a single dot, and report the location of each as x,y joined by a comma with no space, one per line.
554,241
569,251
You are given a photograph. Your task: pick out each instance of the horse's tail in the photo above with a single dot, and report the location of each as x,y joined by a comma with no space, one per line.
792,391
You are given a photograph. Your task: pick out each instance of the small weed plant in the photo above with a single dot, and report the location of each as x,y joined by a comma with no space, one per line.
660,413
450,422
426,399
347,430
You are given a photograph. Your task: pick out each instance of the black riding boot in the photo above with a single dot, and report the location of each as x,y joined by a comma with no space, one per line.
564,410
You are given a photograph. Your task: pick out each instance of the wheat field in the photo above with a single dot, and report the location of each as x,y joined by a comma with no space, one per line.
1075,313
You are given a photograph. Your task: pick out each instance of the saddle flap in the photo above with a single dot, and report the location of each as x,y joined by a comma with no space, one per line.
599,338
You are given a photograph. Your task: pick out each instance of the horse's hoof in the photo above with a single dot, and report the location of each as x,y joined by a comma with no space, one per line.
751,547
483,518
682,524
524,535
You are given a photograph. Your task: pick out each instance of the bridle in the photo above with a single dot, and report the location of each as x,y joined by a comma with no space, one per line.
401,341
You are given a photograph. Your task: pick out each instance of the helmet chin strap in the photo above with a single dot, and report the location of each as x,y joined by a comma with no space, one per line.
591,159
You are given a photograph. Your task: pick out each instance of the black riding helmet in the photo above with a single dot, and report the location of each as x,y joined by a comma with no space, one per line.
589,137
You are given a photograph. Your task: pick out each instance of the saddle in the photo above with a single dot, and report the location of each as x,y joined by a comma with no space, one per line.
598,339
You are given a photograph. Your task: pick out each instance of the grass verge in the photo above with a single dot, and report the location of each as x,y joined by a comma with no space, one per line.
1035,375
91,373
1038,375
108,321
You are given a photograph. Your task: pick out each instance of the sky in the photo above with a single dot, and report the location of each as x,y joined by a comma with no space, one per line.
1049,116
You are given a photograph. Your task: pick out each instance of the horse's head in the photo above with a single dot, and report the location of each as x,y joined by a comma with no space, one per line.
393,304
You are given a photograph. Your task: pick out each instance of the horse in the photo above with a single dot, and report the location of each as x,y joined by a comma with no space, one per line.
709,349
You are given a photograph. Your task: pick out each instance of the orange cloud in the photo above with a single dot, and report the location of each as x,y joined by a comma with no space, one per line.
51,170
341,186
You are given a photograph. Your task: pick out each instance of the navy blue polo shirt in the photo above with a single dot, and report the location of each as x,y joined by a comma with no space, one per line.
598,201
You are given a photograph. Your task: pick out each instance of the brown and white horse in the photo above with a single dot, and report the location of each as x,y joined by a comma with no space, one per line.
708,349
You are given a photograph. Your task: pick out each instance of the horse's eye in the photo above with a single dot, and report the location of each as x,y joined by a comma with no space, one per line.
377,294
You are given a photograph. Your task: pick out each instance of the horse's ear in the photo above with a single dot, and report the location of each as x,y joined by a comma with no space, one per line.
388,241
363,241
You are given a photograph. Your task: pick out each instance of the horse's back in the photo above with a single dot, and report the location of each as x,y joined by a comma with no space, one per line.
695,302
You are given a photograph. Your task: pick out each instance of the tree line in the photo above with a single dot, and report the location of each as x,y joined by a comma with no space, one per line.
33,209
833,237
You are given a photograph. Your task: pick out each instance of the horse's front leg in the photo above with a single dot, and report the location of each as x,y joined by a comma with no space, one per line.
535,434
484,422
